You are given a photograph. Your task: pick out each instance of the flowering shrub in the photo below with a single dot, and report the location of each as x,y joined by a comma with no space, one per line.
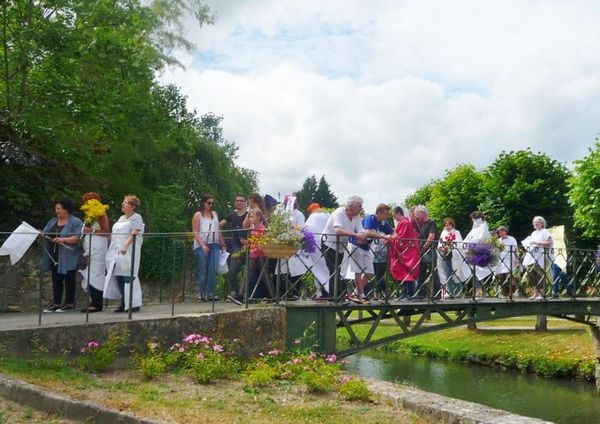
283,232
97,357
354,389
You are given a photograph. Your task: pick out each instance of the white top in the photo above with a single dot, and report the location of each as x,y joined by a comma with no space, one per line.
209,230
535,254
339,219
316,224
504,266
298,218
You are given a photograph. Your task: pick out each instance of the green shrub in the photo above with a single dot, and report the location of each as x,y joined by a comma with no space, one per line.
355,389
208,366
150,367
319,382
96,357
260,375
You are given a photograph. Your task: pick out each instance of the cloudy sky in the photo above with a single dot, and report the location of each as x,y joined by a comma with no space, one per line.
383,96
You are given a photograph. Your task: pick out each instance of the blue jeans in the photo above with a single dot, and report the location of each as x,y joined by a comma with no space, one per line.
207,270
560,279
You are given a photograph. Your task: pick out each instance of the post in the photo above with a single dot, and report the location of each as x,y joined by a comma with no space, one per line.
277,282
510,275
247,279
89,272
336,271
130,311
173,285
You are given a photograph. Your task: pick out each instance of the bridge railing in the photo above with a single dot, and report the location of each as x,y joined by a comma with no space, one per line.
169,273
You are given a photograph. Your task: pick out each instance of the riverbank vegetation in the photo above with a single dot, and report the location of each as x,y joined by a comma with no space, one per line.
565,350
203,379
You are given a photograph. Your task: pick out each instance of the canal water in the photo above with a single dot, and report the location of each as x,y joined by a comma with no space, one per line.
561,401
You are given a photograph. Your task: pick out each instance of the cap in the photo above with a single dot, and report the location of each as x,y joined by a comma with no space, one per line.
270,201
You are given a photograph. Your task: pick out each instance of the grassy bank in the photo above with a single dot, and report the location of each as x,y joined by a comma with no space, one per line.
565,350
201,380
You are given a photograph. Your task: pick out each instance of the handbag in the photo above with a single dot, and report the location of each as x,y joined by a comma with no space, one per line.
223,268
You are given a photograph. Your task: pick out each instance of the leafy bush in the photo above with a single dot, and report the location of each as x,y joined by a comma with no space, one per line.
354,389
260,375
96,357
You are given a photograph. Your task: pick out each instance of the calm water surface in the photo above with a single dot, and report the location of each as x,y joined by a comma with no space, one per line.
561,401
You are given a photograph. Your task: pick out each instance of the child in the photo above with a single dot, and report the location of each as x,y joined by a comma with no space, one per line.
257,229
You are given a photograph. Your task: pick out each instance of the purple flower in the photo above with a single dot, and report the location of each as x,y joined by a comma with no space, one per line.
480,254
218,348
309,244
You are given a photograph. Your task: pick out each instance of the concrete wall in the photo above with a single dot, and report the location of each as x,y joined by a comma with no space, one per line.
258,329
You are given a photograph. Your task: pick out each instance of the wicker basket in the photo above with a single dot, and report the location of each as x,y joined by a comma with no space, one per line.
278,251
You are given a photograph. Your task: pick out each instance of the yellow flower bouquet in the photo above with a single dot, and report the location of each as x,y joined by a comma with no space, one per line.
93,209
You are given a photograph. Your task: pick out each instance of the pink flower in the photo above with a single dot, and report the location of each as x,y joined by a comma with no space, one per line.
296,361
218,348
331,359
93,344
261,354
297,342
181,349
275,352
82,350
152,345
174,347
200,356
345,378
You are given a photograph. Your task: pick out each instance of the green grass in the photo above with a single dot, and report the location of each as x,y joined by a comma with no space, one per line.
566,351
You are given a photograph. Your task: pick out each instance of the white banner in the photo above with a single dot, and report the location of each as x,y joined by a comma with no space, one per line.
19,242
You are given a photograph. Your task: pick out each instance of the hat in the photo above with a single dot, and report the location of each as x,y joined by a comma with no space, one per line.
270,201
313,207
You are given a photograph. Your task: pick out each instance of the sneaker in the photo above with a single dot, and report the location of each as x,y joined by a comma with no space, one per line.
235,299
51,308
65,308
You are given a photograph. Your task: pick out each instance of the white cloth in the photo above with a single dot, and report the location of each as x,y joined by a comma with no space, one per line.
339,219
356,261
96,261
118,264
315,262
504,266
457,259
535,254
19,242
480,233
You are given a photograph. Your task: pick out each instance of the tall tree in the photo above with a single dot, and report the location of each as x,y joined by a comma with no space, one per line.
456,195
520,185
324,196
584,193
306,195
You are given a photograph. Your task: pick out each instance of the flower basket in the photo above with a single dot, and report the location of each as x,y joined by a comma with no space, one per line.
278,251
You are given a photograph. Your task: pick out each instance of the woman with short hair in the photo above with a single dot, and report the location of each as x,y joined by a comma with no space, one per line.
128,228
534,261
62,253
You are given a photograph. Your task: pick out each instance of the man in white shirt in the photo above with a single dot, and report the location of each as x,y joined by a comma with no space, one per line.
344,222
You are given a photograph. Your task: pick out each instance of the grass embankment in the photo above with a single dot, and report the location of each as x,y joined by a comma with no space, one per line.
200,382
565,350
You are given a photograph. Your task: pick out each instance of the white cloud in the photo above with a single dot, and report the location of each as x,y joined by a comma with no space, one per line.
381,97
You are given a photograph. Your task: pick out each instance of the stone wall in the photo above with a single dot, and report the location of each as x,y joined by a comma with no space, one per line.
257,329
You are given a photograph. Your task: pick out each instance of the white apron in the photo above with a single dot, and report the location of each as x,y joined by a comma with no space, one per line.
117,264
96,262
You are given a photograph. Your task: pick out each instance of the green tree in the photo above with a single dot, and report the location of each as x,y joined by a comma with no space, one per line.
584,193
324,196
520,185
456,195
306,195
421,196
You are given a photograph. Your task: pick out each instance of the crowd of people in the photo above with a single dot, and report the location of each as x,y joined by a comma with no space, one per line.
404,245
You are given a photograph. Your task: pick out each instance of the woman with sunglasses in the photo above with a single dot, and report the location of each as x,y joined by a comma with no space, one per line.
208,242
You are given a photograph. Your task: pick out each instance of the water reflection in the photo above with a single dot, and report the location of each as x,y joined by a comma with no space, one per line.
555,400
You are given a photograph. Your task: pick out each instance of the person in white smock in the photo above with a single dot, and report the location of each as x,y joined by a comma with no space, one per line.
118,257
480,233
538,256
95,245
315,261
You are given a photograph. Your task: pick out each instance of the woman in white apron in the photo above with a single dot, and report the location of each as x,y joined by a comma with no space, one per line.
538,257
95,244
118,257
